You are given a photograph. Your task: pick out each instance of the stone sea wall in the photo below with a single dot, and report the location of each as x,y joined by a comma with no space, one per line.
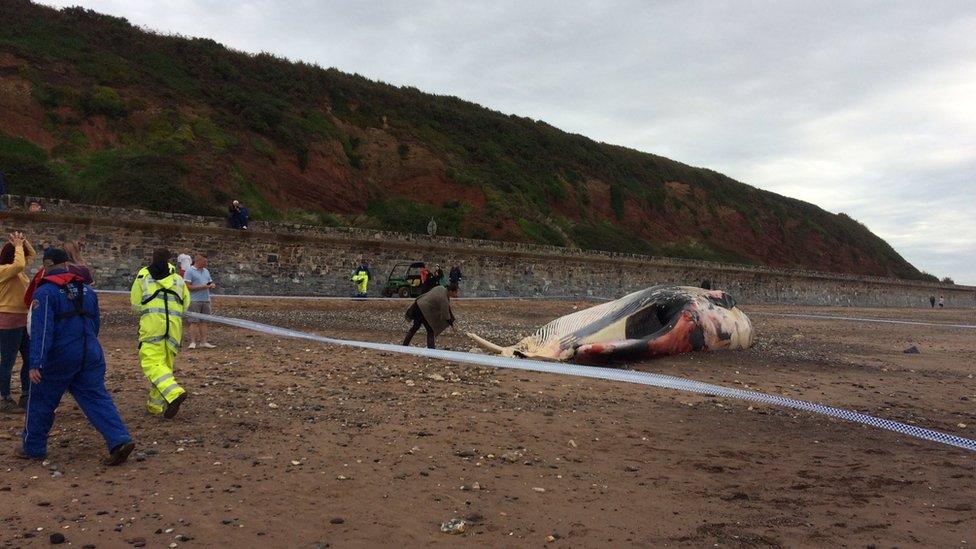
287,259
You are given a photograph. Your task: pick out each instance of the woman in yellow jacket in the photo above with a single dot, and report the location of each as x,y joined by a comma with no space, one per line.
14,257
161,297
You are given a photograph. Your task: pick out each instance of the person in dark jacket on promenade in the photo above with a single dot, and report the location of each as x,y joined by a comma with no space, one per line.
238,216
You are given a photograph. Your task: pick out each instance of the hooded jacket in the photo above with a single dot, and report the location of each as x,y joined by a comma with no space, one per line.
160,304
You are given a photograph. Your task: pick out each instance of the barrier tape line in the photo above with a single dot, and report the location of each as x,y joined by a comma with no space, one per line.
609,374
857,319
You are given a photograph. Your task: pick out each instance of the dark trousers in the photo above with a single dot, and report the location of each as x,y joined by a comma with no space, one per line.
413,330
11,342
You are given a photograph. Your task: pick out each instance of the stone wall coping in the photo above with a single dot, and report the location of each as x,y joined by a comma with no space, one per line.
64,211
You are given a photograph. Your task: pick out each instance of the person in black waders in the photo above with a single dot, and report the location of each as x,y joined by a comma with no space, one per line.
65,356
432,310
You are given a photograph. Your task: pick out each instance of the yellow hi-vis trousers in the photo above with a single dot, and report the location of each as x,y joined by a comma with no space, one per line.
157,363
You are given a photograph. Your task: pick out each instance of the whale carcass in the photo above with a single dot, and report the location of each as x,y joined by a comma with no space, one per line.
657,321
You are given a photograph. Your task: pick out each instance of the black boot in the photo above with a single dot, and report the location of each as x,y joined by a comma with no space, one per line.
173,408
119,454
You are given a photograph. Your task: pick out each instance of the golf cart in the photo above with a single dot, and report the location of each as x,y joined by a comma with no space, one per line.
404,280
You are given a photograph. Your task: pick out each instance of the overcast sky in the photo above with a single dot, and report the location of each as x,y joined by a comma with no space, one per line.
867,108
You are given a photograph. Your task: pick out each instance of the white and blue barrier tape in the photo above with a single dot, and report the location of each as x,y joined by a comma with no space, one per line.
610,374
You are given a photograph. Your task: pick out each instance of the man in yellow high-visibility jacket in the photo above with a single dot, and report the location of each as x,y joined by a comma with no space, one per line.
361,279
160,296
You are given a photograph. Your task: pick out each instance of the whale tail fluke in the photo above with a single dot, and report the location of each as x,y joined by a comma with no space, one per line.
484,343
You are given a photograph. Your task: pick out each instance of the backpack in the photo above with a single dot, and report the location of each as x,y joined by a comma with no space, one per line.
72,287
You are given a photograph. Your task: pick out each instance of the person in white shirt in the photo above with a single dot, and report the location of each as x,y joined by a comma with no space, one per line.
184,260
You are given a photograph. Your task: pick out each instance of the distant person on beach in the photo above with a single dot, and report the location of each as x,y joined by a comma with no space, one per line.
16,254
238,216
65,356
184,260
432,310
199,282
361,279
160,296
454,281
941,301
932,300
76,263
429,285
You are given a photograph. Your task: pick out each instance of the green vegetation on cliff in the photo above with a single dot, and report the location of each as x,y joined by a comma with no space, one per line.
129,110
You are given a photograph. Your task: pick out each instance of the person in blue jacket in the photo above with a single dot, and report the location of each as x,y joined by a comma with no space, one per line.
238,217
66,356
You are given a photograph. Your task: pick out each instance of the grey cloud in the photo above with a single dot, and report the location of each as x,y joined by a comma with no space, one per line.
862,107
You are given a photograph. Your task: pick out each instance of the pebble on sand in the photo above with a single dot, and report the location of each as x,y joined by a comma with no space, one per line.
454,526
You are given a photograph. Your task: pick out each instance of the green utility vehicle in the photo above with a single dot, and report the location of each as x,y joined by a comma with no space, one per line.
404,280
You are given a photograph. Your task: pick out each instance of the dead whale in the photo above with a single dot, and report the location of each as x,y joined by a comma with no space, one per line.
657,321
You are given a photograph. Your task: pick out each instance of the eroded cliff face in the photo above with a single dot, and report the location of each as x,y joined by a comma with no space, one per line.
96,110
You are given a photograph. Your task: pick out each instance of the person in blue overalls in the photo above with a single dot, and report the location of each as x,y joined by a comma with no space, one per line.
65,356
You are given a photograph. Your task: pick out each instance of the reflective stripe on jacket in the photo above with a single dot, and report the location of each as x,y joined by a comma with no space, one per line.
161,305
